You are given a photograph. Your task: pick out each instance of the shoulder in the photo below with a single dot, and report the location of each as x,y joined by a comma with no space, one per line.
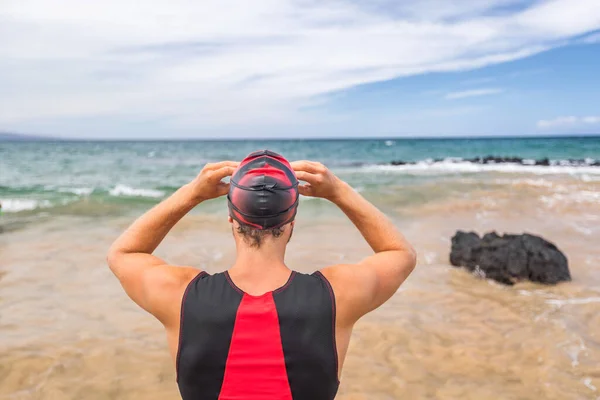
350,286
165,287
344,278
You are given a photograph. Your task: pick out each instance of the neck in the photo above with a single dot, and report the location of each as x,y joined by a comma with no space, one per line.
257,271
267,261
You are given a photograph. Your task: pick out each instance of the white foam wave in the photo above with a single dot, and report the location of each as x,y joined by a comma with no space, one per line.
588,383
449,166
576,301
430,257
583,196
573,349
587,178
582,229
536,293
18,205
525,293
79,191
526,182
128,191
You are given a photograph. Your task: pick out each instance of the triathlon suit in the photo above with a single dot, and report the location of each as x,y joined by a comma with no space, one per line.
277,346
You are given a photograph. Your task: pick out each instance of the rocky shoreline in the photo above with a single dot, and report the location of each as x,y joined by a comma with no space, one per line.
544,162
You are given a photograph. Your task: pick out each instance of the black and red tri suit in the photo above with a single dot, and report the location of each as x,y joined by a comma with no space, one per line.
277,346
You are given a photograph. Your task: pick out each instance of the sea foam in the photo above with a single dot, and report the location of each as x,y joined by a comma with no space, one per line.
18,205
79,191
582,196
452,166
575,301
128,191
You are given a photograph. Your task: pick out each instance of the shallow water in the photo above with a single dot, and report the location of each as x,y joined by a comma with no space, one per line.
69,332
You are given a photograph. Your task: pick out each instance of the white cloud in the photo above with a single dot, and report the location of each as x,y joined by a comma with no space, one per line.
479,81
472,93
567,122
592,39
591,120
557,122
221,63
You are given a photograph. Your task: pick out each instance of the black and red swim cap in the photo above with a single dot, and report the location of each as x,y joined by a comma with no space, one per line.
264,191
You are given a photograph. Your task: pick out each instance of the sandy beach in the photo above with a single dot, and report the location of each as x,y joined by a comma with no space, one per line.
69,332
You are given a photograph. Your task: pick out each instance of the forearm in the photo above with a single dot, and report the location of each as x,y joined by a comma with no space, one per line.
146,233
379,232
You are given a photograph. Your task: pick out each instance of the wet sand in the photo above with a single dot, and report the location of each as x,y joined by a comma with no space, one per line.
67,330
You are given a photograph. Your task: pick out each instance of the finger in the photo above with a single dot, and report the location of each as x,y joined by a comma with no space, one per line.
222,189
221,173
307,166
307,177
221,164
305,190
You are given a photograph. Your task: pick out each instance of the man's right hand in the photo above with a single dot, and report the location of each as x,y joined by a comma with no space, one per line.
321,182
207,185
364,286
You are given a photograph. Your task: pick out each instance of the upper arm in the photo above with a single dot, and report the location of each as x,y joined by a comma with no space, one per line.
361,288
151,283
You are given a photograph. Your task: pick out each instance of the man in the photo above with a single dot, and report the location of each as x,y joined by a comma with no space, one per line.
260,330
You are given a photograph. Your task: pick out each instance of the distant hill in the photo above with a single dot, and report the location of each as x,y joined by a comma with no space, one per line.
15,137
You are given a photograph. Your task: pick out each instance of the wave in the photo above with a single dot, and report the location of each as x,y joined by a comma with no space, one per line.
491,160
538,182
582,196
574,301
128,191
83,191
22,199
18,205
459,165
79,191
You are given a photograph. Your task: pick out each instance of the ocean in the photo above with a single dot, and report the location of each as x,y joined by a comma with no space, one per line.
79,177
67,330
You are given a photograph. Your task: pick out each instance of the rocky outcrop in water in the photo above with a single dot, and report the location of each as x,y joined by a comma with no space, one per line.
544,162
510,258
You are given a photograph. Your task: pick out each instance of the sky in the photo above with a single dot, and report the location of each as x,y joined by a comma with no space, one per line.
299,68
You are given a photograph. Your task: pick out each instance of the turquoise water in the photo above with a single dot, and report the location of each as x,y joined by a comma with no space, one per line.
112,177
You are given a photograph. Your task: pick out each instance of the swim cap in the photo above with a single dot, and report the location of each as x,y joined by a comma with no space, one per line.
264,191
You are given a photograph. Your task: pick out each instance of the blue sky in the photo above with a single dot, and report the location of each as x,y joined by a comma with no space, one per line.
549,93
299,68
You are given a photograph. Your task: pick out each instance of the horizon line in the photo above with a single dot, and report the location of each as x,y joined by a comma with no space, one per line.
13,137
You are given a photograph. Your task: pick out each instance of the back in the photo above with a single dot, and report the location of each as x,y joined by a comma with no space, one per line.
280,345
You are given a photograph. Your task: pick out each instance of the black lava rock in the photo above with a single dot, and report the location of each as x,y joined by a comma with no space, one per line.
510,258
399,162
544,162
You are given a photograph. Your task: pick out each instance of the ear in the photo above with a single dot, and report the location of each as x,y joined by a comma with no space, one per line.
230,219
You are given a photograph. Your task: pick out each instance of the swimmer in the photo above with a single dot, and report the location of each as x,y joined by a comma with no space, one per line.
260,330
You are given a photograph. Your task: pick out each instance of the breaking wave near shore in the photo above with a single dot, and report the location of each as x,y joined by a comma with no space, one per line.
490,164
368,178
